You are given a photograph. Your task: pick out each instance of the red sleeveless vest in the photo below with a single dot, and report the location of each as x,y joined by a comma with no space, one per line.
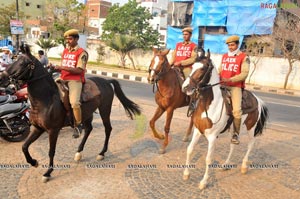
70,59
231,66
184,52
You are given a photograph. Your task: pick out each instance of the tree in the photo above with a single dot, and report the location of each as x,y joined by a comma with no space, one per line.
133,20
100,52
123,44
256,48
286,35
64,15
46,44
7,13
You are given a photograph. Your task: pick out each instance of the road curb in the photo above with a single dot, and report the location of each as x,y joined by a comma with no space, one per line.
118,75
142,78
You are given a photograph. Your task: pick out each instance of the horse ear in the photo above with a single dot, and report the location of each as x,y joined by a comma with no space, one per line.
208,54
155,50
165,52
25,49
201,52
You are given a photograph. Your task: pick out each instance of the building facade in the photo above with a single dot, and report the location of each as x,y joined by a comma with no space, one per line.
96,13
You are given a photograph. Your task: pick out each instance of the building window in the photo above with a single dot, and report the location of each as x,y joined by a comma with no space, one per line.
38,6
27,4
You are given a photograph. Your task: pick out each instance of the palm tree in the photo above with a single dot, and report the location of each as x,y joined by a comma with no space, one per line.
46,44
123,44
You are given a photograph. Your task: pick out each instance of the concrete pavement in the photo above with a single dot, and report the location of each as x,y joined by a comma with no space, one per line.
134,169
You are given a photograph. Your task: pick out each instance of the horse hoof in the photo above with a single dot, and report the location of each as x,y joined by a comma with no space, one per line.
100,157
244,170
45,179
77,157
35,164
186,177
162,151
185,139
202,186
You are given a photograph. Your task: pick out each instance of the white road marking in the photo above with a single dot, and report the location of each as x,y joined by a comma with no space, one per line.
282,104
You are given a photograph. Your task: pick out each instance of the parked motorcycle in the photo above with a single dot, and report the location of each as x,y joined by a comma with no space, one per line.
14,119
14,113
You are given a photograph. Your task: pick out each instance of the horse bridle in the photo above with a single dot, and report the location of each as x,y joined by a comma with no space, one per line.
203,79
202,85
28,70
159,73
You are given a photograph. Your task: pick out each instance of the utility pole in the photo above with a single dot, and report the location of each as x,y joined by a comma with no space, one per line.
17,36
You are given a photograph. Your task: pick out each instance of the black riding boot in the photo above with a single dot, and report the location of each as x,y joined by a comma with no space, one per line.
236,127
78,125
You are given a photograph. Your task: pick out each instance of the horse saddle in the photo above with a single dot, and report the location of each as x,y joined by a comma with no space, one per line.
89,90
249,102
179,74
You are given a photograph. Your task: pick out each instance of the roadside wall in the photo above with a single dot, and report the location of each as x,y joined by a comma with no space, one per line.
269,72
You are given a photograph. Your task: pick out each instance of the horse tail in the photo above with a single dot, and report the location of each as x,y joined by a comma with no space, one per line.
263,117
130,107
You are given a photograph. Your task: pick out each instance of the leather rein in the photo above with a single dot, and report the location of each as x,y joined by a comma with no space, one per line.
201,86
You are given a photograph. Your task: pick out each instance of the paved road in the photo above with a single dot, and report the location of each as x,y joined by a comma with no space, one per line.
284,109
132,145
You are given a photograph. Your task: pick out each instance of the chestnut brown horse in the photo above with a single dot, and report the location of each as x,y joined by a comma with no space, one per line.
48,112
168,96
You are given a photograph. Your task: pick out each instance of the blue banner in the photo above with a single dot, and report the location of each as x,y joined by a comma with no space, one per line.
209,13
175,35
249,17
216,43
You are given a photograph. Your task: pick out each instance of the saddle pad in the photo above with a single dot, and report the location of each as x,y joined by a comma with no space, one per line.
89,91
249,102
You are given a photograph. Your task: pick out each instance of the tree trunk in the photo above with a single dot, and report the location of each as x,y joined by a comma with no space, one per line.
123,60
288,73
255,65
131,59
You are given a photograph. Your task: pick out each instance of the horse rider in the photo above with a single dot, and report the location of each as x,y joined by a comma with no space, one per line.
185,53
233,72
74,60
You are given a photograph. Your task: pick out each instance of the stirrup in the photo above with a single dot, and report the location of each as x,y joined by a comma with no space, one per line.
235,139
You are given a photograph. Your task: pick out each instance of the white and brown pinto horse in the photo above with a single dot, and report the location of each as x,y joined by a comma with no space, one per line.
210,117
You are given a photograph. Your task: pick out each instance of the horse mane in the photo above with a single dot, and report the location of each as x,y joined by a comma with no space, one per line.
25,49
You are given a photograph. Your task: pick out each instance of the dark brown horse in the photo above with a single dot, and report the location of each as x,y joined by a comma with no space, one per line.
168,96
48,113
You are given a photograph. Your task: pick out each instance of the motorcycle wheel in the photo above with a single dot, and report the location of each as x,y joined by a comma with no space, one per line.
20,127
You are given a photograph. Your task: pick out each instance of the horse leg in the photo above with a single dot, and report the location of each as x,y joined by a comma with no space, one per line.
169,117
105,116
226,163
189,131
244,168
53,135
35,133
159,111
87,130
195,139
211,146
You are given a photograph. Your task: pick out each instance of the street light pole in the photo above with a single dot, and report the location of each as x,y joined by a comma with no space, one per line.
17,36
